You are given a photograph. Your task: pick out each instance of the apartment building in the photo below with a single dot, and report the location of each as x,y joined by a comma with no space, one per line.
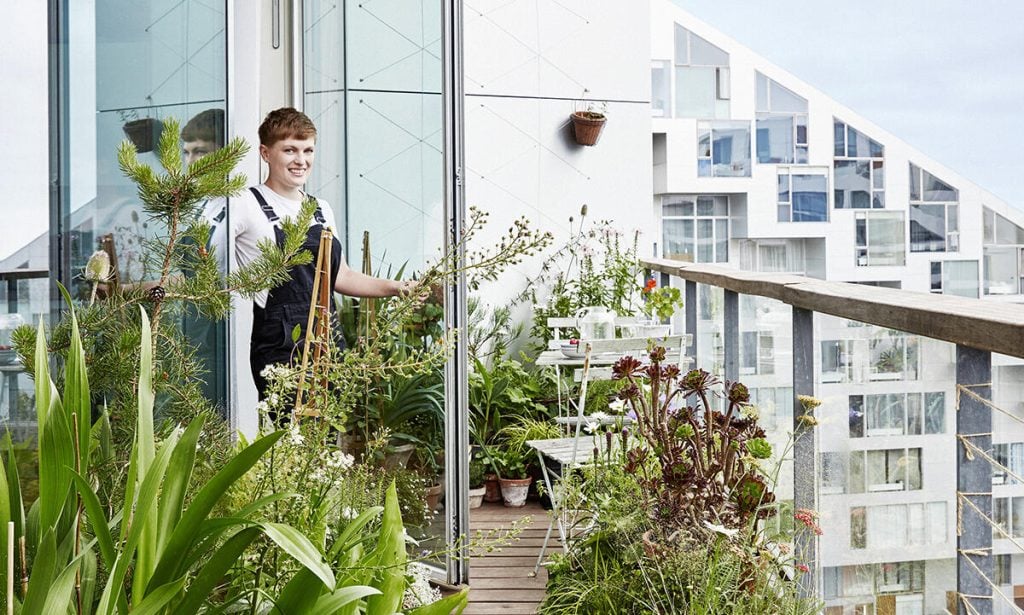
757,170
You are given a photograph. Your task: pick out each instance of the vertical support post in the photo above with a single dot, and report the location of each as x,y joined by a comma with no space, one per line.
804,457
690,307
731,335
973,480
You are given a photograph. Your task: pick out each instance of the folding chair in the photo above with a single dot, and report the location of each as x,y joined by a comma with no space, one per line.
565,452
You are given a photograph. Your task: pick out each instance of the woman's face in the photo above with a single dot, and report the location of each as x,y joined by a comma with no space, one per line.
290,161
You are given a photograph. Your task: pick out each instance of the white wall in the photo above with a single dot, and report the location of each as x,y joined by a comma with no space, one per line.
526,65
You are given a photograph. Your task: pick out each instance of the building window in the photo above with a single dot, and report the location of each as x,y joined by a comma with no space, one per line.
955,278
775,406
1008,515
696,228
1004,270
837,361
757,353
934,213
897,414
833,472
803,197
702,77
1000,231
781,124
880,238
893,356
661,89
1003,569
898,525
859,170
723,149
773,255
896,469
1011,456
900,577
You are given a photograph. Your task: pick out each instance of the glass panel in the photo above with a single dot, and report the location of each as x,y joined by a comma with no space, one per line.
935,413
913,413
885,415
703,53
677,206
661,91
731,151
839,134
783,184
810,201
784,100
762,92
877,174
695,91
705,241
936,276
1007,232
934,189
722,241
912,463
886,239
1017,517
678,239
1001,271
960,278
989,222
681,46
915,183
927,228
775,139
856,416
852,184
858,527
1001,516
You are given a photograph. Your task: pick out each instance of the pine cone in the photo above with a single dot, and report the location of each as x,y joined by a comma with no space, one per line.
157,294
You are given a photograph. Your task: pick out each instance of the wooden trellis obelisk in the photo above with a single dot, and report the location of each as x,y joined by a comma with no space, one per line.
318,327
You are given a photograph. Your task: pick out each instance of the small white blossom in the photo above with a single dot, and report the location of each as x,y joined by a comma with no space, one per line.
617,406
721,529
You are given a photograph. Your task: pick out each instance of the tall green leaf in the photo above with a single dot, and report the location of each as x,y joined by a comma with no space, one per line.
56,463
145,446
44,567
58,597
41,371
172,496
97,518
294,543
456,603
214,569
160,597
77,403
173,559
390,558
17,505
5,518
330,603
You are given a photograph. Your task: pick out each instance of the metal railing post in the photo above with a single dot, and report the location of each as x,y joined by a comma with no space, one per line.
974,565
731,335
804,458
690,307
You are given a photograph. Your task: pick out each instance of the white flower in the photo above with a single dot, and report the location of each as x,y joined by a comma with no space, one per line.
599,416
617,406
590,427
348,513
98,267
750,412
721,529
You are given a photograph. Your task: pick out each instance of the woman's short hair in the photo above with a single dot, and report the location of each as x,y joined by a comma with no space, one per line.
205,126
286,123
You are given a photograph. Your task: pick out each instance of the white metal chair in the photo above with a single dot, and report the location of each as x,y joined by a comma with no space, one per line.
565,452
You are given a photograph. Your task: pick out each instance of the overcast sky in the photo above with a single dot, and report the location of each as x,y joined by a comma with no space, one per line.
946,76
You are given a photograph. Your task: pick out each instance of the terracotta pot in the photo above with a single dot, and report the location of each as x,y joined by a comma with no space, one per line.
514,491
492,491
433,496
476,496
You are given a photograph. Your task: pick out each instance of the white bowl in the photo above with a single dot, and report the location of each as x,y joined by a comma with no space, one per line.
572,351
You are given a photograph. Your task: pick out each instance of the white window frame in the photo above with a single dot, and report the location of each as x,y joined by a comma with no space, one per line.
876,189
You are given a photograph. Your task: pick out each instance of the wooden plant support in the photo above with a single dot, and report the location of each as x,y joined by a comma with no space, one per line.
318,327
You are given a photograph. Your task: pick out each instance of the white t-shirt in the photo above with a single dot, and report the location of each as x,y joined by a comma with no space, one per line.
249,225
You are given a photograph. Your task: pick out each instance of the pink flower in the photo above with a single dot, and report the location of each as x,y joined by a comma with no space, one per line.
803,568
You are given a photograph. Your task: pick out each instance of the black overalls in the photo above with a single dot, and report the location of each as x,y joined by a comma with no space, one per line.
288,304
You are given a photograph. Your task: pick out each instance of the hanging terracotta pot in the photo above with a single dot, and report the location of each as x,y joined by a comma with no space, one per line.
587,126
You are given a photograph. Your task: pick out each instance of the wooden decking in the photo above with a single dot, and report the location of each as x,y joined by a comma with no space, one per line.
502,582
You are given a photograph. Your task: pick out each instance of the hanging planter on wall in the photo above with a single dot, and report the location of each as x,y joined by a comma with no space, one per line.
587,126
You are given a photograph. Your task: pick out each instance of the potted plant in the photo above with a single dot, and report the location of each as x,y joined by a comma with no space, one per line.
512,475
660,303
477,489
588,123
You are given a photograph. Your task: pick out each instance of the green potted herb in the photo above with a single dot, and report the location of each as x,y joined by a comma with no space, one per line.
477,471
512,475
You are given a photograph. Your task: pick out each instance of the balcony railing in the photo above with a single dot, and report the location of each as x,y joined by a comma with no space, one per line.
884,549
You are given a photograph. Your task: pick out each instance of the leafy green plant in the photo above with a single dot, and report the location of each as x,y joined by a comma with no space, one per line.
660,302
515,435
509,464
499,393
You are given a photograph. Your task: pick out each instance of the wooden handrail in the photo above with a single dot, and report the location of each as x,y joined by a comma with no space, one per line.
995,326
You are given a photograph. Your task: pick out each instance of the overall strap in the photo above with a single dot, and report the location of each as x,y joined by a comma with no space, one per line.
268,211
318,215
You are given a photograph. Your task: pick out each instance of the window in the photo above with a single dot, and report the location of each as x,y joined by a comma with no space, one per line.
879,239
897,469
893,356
1000,231
897,414
1008,515
1003,569
837,361
934,213
803,197
757,353
775,405
833,472
781,124
955,278
773,255
1009,455
702,77
859,170
898,525
661,89
1004,270
723,149
696,228
867,580
898,577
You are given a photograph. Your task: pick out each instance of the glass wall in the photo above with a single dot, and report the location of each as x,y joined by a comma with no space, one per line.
723,149
934,213
803,195
372,84
859,168
696,228
781,124
702,77
880,238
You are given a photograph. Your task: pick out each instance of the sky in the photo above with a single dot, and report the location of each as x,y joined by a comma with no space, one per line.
945,76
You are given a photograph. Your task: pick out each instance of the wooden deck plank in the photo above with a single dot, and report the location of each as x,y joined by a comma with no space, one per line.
502,582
